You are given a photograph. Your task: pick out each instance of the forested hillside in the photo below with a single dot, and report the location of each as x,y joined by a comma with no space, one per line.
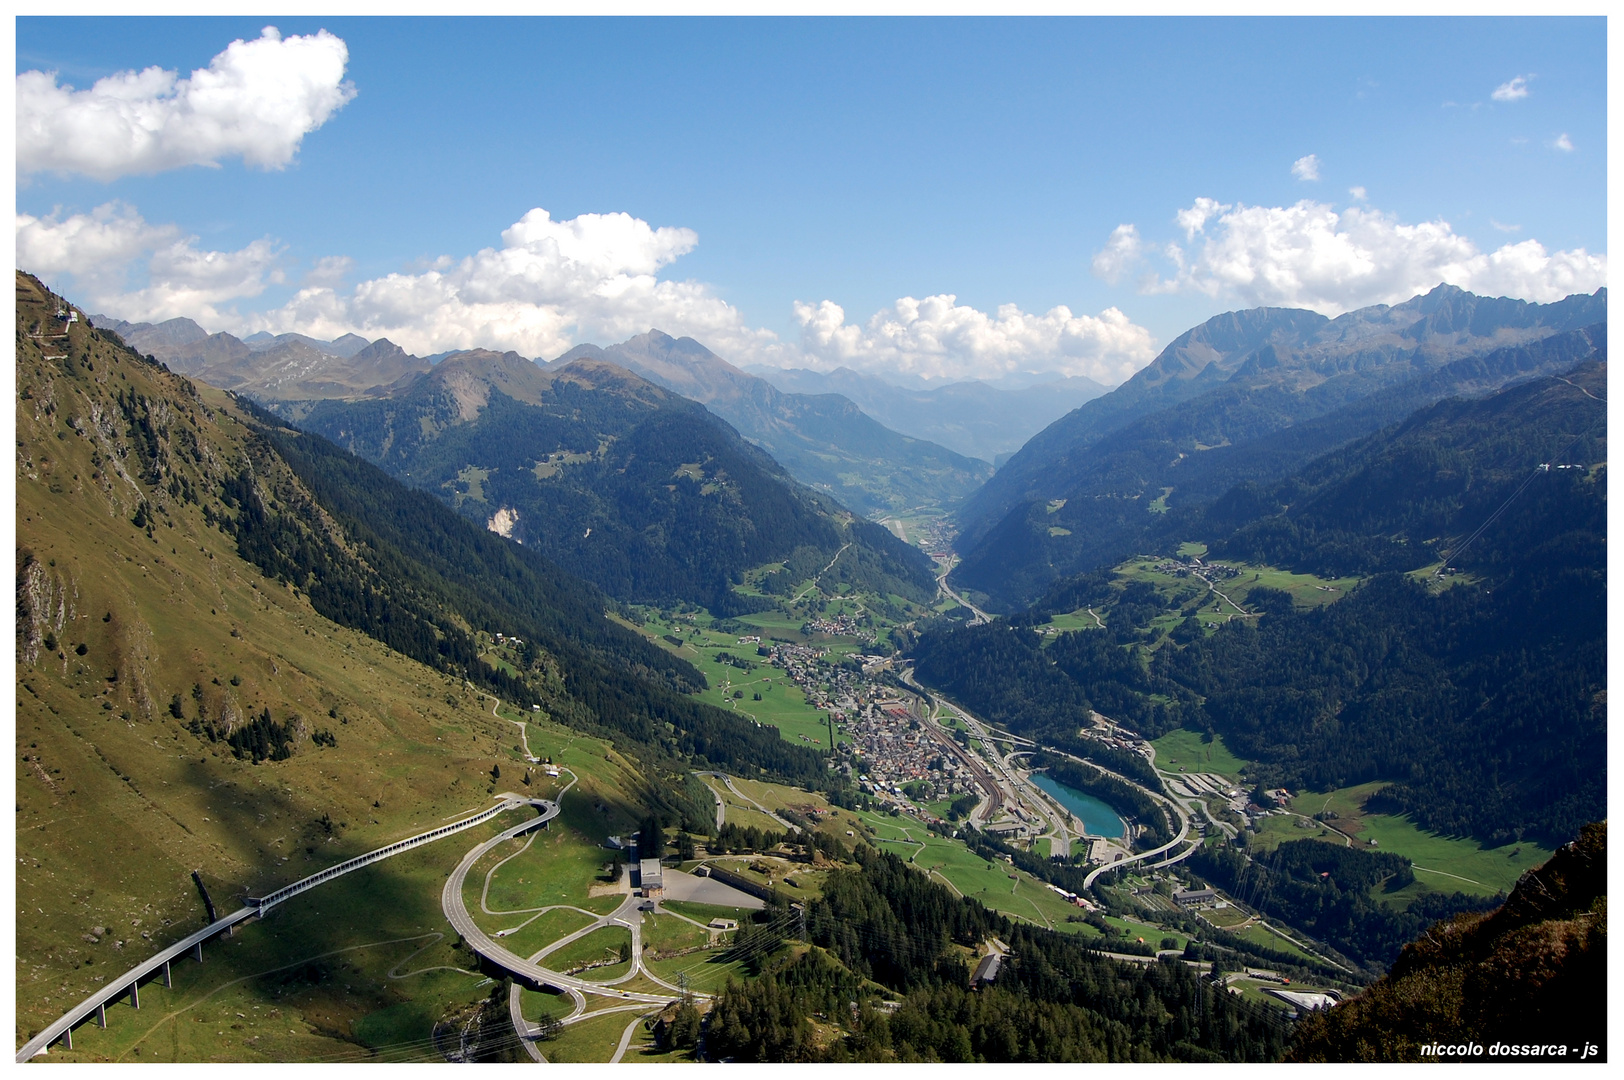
641,492
1476,689
406,570
1054,999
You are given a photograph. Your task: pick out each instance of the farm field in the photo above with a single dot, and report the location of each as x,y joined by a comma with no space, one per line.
780,796
1185,594
1306,590
1262,935
1076,620
703,912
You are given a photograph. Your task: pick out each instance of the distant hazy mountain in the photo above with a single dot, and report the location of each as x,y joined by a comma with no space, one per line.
348,345
1246,395
977,419
646,494
823,440
286,367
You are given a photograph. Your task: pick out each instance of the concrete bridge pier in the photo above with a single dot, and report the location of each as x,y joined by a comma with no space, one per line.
67,1038
197,952
101,1015
167,983
135,995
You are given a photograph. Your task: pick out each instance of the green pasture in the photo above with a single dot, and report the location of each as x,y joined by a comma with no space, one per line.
1442,863
949,862
1307,590
547,928
780,796
591,1039
1183,750
707,972
667,933
704,912
1262,935
737,810
1076,620
600,944
783,705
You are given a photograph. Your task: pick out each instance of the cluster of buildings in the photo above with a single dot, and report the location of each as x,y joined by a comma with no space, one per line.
896,751
893,745
844,625
1210,571
1122,740
831,686
820,682
936,537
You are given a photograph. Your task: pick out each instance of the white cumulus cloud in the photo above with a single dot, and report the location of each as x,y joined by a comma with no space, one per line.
1563,143
1306,168
329,271
1121,252
550,285
1194,218
257,100
1309,255
99,251
1514,90
939,338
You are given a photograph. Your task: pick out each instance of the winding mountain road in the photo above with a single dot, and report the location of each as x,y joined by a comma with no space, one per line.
728,780
128,984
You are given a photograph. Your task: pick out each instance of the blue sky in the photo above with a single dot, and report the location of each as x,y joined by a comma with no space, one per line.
834,176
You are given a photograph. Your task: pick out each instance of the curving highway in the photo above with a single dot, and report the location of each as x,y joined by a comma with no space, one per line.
720,809
456,912
128,984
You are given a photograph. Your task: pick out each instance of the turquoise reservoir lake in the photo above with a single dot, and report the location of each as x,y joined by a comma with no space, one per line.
1098,818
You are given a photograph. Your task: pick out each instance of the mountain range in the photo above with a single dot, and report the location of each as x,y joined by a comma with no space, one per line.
645,493
284,367
1246,395
825,440
322,660
1465,669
